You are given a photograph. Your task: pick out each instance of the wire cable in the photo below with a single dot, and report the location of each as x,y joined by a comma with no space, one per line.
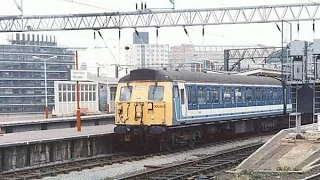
105,43
89,5
226,37
186,32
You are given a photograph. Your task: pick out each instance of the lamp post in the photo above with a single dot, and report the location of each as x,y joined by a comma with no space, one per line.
45,81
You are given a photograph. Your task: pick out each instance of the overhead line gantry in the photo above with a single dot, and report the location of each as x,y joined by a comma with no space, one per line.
162,18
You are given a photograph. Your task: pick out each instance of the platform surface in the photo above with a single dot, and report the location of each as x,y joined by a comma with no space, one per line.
286,152
29,137
36,118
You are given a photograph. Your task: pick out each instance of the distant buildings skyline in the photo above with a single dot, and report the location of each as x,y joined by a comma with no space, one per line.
22,78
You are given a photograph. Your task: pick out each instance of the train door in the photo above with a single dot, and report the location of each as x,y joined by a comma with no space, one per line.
176,101
183,99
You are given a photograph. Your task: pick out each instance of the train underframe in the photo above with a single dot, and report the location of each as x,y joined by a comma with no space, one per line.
169,138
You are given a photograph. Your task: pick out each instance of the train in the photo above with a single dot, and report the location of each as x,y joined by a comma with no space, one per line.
177,108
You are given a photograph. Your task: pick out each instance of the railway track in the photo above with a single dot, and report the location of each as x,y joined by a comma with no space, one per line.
313,177
98,161
66,167
198,166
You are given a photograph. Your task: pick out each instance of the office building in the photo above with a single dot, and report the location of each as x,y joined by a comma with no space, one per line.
147,56
199,57
22,78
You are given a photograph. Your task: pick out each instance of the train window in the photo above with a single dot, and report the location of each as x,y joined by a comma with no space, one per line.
201,95
275,94
207,96
227,95
193,96
182,96
215,95
280,95
189,95
238,95
155,93
125,93
175,92
264,94
249,94
258,94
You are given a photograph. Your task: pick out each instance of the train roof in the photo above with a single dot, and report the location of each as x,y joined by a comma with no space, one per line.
170,76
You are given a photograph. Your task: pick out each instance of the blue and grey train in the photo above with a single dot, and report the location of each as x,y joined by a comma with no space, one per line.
182,107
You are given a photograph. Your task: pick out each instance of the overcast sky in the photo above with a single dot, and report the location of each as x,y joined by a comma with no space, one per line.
250,34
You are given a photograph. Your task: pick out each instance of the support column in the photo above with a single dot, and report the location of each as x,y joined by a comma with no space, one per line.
297,116
226,60
318,119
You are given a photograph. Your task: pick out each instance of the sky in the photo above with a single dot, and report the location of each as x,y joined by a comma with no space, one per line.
249,34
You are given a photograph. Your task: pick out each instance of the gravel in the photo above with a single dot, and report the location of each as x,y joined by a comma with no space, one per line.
118,170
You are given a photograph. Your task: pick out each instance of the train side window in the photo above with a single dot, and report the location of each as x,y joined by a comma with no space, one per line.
270,92
155,93
189,95
280,94
227,95
182,96
275,94
201,95
238,94
249,94
258,94
175,92
208,96
125,93
215,96
264,94
194,96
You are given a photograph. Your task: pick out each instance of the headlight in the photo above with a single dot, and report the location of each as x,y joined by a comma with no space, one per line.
138,115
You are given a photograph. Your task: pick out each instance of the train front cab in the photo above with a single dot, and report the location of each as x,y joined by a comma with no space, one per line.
142,108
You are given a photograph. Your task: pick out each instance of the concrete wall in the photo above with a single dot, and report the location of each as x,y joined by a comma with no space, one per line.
47,152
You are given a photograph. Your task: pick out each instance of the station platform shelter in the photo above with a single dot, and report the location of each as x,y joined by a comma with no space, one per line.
97,96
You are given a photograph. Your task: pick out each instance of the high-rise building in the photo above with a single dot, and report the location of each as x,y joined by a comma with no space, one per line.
22,78
147,55
144,37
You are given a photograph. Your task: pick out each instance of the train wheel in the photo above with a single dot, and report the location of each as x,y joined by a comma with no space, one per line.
168,146
191,143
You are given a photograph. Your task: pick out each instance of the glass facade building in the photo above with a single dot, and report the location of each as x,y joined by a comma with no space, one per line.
22,78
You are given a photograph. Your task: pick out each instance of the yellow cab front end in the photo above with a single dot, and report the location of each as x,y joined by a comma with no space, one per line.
143,107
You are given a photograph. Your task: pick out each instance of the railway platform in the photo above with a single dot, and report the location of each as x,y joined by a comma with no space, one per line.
13,124
33,148
287,151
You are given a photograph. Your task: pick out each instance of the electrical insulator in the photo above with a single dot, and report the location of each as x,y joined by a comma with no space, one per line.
313,26
203,31
137,33
185,30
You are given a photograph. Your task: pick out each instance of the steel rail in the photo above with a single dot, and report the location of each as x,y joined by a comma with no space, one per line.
205,164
